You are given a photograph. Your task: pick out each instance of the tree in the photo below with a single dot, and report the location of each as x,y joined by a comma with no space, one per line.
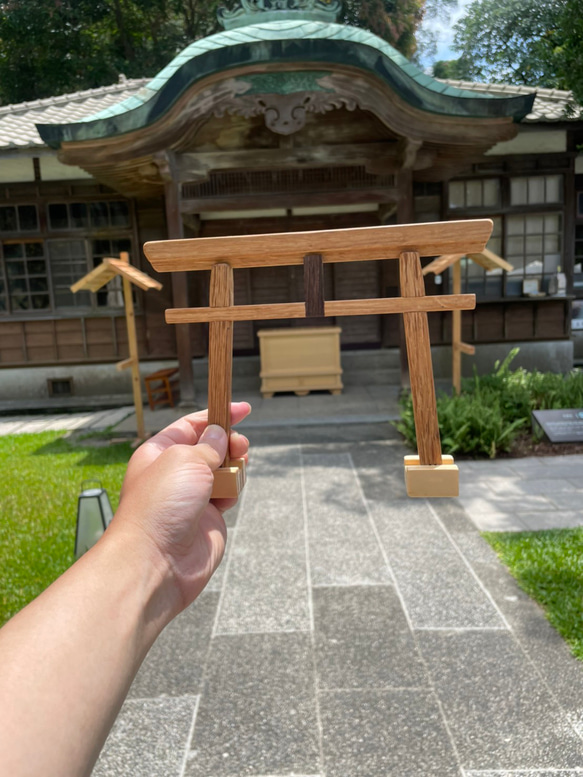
531,42
396,21
455,69
50,47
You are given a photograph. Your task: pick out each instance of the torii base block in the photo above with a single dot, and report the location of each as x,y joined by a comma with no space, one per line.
229,481
440,480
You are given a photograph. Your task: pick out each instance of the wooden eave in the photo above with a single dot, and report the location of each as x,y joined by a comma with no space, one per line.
127,162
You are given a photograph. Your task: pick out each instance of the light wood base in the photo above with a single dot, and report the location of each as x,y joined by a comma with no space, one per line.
441,480
229,481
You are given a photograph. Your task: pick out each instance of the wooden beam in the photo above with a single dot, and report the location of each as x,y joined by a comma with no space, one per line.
440,264
466,348
133,348
95,279
339,245
350,307
135,276
289,200
490,261
202,162
123,365
180,297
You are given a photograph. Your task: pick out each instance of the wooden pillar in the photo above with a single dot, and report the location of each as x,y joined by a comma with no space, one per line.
133,349
405,215
180,298
421,371
222,295
456,332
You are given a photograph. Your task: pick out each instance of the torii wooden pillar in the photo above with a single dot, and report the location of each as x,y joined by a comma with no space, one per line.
489,261
429,473
95,280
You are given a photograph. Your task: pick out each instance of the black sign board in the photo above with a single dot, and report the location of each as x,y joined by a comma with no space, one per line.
560,425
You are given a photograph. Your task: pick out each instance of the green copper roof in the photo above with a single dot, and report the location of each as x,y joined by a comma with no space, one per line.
286,41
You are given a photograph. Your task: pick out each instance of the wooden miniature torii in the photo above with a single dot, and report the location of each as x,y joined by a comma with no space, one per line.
489,261
95,280
427,474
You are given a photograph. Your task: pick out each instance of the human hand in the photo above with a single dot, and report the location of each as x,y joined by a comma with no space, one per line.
165,501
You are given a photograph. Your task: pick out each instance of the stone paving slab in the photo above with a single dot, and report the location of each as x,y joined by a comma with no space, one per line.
343,545
500,712
362,641
258,711
266,578
392,732
438,588
149,739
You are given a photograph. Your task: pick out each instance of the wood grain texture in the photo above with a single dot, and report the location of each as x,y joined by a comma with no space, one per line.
420,367
350,307
314,285
440,264
337,245
456,332
133,349
220,359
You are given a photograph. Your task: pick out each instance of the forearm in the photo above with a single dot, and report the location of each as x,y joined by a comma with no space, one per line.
68,659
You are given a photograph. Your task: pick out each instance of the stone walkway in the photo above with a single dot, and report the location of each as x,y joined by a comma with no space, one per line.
352,632
91,421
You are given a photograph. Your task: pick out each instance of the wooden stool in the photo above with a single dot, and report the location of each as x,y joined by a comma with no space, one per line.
163,393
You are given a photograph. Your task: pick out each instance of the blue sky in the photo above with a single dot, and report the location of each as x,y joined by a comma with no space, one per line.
443,27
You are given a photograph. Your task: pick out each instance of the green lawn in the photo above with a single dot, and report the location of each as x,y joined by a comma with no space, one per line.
548,565
39,485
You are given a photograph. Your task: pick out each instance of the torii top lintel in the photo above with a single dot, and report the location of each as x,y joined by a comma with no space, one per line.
370,243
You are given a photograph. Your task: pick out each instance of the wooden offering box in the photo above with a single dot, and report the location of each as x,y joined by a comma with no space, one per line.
300,359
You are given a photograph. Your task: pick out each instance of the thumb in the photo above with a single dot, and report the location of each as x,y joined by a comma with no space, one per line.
212,446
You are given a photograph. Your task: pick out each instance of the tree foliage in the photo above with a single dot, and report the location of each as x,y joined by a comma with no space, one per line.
394,20
531,42
50,47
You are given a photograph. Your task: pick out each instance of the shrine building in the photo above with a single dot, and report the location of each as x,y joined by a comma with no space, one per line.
285,121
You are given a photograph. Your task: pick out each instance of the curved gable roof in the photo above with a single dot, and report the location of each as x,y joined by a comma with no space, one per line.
287,42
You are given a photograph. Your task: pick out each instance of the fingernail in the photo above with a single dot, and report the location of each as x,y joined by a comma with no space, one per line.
212,432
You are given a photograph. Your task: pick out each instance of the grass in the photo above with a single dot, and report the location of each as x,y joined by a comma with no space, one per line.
548,565
40,482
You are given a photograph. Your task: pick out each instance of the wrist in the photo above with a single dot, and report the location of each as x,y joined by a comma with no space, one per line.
145,571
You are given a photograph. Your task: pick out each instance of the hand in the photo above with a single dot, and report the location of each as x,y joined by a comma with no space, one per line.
165,501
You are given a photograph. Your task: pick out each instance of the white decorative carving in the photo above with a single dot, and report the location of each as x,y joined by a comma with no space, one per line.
285,114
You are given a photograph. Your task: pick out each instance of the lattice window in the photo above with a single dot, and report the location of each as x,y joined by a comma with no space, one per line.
18,218
536,190
224,184
533,246
482,193
26,284
88,215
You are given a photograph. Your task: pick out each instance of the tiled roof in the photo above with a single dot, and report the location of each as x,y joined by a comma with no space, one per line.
549,105
18,122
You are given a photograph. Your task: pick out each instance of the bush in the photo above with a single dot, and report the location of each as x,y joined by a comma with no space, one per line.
492,410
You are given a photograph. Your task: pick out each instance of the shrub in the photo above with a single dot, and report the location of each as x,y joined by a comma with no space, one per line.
492,410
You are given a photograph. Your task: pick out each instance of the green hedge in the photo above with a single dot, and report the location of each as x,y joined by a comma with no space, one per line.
492,410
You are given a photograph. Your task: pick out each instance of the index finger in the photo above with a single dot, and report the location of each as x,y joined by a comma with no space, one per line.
184,431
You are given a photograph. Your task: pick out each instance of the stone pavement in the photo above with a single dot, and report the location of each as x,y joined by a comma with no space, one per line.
88,421
352,632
